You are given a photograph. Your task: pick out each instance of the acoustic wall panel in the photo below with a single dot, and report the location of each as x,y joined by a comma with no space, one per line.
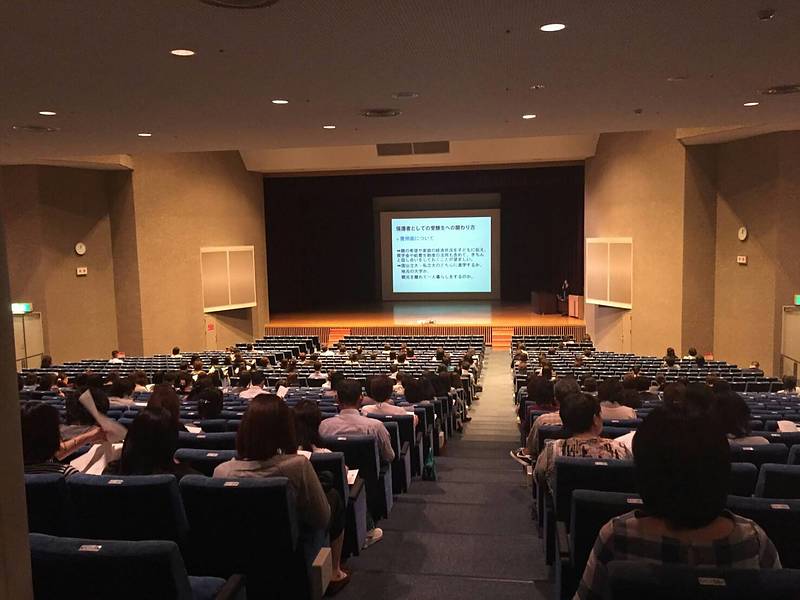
609,272
228,277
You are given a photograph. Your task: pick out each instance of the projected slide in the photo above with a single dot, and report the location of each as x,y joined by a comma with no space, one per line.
441,255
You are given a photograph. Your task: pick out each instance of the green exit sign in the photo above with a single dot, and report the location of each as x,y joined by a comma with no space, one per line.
797,299
21,308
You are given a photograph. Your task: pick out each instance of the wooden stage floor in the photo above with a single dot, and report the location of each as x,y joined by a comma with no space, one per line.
387,314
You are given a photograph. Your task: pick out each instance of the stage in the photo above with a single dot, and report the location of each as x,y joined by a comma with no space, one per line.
496,321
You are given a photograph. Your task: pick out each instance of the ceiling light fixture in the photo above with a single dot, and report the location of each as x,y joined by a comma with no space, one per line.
329,126
780,90
144,134
182,52
537,86
752,103
675,78
380,112
405,95
240,4
47,113
34,128
280,101
529,116
553,27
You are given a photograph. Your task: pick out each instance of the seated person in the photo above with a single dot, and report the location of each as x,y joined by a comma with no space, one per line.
580,414
610,396
164,396
682,473
149,447
732,414
256,386
691,354
318,374
209,404
78,420
140,382
41,440
121,393
381,390
266,446
789,385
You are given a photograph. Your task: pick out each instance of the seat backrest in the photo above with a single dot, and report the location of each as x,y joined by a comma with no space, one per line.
778,481
213,425
405,425
794,455
130,507
589,474
48,503
246,525
743,478
394,437
780,519
760,454
360,452
107,569
210,441
333,463
204,461
630,580
591,510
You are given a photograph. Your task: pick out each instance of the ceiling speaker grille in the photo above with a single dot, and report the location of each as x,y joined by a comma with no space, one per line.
442,147
406,149
240,4
780,90
394,149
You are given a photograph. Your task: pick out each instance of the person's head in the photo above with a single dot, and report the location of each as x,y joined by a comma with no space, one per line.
682,468
642,383
41,437
547,373
292,379
353,357
410,353
401,358
175,351
699,399
381,388
692,352
122,387
139,378
244,378
564,387
609,390
323,348
317,367
77,414
630,398
164,396
671,352
149,444
209,403
540,391
414,390
47,361
731,413
392,355
580,413
579,360
660,381
249,347
675,396
47,381
257,378
307,418
267,429
789,383
115,354
589,385
31,379
700,361
755,365
197,364
670,361
348,393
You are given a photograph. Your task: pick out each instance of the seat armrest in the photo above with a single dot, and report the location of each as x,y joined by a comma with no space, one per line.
356,489
562,541
233,589
404,449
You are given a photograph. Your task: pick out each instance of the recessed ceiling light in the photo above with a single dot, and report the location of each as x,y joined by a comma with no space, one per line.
144,134
34,128
405,95
380,113
553,27
329,126
182,52
537,86
529,116
280,101
677,78
47,113
752,103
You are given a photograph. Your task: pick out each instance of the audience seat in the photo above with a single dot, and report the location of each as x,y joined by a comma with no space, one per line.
204,461
761,454
131,507
780,519
209,441
778,481
48,503
794,455
86,568
743,479
401,466
361,452
630,580
249,526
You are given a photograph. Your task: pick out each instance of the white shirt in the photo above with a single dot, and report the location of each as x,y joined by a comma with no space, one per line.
115,361
318,375
251,392
386,408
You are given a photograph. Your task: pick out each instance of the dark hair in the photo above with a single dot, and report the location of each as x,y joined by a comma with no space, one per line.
77,414
540,391
381,388
441,385
267,428
692,351
122,387
789,382
209,403
244,378
642,383
682,468
164,396
732,414
176,350
671,352
47,361
348,392
609,390
317,365
564,387
589,384
699,399
150,443
670,360
413,390
307,417
336,378
47,381
631,399
578,412
139,378
41,436
675,396
700,361
256,378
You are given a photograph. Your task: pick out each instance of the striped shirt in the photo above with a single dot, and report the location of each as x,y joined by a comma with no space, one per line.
747,547
50,467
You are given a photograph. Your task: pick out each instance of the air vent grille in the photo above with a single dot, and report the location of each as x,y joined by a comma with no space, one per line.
407,149
240,4
34,128
780,90
378,113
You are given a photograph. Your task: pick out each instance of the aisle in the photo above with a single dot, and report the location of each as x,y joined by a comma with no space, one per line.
469,534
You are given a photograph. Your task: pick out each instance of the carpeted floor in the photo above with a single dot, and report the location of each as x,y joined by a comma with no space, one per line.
469,534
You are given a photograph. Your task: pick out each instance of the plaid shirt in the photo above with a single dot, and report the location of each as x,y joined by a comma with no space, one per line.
747,547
